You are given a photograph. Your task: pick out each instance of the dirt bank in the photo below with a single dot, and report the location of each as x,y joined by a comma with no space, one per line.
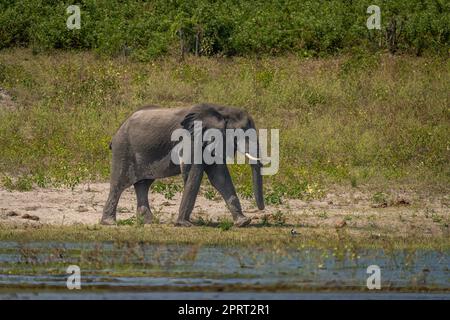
405,213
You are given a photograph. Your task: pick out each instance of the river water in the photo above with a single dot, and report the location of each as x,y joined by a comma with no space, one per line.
121,270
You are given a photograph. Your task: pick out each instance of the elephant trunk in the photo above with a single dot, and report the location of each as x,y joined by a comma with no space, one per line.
256,169
258,185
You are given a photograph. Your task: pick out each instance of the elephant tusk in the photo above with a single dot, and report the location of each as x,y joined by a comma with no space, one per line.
248,155
263,161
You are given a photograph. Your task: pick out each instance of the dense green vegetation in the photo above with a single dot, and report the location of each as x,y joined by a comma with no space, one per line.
145,29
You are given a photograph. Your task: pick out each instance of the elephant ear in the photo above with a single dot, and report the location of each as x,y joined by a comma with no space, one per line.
188,121
209,117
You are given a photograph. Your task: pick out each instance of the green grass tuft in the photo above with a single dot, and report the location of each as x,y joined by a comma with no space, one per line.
225,224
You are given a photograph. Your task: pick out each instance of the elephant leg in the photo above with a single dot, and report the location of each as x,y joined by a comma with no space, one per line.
185,168
191,188
109,210
143,208
220,178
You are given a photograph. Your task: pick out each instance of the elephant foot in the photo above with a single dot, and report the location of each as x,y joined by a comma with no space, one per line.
144,214
242,221
183,223
108,221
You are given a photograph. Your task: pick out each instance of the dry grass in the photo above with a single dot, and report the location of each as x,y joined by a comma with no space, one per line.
361,119
254,236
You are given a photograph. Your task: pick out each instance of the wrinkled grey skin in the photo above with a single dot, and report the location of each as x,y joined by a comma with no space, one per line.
141,153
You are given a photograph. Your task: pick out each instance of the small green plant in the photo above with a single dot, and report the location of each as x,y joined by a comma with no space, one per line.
274,197
167,189
348,217
265,222
203,222
379,198
127,222
140,221
245,191
41,180
297,190
210,194
157,212
7,183
158,187
322,215
225,224
436,217
314,191
122,210
279,218
72,181
353,182
22,183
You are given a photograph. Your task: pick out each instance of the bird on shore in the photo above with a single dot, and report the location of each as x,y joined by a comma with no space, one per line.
293,232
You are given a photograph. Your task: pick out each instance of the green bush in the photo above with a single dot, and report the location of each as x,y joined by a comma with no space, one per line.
147,29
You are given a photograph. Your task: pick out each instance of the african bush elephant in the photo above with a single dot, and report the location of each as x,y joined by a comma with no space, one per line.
141,153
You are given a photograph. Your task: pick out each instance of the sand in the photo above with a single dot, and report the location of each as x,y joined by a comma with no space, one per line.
405,212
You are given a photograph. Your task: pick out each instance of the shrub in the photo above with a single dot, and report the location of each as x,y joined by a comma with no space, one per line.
147,29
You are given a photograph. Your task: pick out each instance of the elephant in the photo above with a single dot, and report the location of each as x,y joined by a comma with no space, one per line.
141,153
